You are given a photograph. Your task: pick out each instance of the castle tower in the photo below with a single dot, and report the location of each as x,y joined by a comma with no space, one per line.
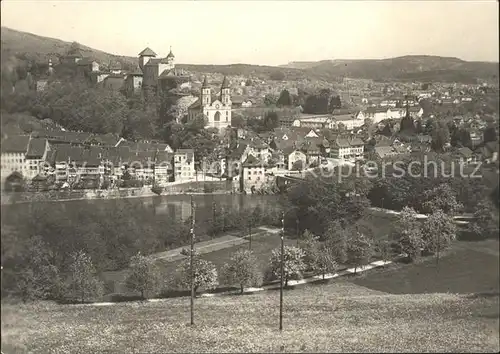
170,59
145,56
206,97
225,92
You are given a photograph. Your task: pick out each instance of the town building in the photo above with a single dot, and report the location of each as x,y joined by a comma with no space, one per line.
184,168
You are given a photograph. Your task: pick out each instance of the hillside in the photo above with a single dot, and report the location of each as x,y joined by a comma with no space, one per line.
338,317
18,47
414,67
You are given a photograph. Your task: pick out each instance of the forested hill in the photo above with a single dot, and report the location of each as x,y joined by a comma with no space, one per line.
411,67
20,47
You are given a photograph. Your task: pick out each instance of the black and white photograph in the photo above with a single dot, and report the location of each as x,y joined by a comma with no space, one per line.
268,176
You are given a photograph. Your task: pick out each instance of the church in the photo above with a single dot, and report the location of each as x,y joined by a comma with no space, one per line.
218,111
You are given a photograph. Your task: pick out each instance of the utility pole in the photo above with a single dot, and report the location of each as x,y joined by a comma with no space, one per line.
437,253
281,268
250,233
191,259
298,235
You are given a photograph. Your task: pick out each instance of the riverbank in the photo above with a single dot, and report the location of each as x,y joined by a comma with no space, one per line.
190,187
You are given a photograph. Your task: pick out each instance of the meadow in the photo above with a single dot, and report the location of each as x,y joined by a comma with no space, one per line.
337,317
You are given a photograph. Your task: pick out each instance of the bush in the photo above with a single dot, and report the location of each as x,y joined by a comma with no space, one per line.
207,188
157,190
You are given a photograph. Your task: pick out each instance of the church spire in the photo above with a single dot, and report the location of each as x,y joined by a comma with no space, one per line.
205,83
225,83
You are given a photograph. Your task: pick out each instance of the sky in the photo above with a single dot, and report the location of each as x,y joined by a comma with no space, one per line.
267,32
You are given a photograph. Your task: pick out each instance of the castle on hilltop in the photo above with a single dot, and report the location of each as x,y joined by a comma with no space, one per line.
159,75
218,111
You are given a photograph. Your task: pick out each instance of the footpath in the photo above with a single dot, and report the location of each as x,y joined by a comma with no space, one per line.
273,286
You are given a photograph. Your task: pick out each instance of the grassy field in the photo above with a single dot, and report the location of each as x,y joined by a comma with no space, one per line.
262,246
337,317
467,267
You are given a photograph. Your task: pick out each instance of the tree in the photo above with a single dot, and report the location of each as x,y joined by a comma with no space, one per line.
442,198
408,234
336,239
143,275
384,249
285,99
248,82
310,244
205,274
440,135
486,221
293,263
490,134
270,99
242,269
438,231
83,282
359,250
38,278
326,260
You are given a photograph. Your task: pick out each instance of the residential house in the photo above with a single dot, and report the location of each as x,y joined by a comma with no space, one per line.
13,157
164,169
385,151
340,148
254,174
184,168
234,161
36,156
292,155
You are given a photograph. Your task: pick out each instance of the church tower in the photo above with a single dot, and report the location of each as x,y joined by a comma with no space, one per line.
206,96
225,92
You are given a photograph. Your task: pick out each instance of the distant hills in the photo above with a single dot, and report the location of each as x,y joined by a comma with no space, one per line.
18,47
411,67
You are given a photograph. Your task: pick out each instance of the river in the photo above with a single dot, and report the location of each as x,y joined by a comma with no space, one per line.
174,206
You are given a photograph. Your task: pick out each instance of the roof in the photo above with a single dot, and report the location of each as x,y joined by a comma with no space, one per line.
341,142
205,83
356,141
343,117
376,109
36,148
252,161
238,152
153,62
383,151
147,52
172,73
225,83
465,151
15,144
170,54
85,61
196,104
